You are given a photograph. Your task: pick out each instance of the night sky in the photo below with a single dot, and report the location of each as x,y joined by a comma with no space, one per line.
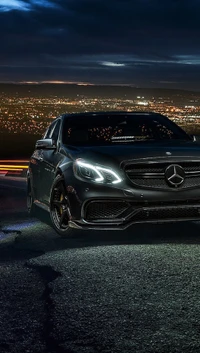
143,43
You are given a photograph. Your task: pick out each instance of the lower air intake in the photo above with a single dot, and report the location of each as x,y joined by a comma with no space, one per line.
168,213
105,210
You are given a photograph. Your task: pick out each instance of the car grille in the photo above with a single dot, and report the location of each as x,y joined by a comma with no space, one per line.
105,209
153,175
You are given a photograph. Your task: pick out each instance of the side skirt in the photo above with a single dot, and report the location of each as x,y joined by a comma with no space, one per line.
42,205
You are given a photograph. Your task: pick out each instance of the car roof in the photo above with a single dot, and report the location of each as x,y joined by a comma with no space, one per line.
100,113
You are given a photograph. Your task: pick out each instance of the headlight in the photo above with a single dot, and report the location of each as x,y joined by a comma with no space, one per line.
95,173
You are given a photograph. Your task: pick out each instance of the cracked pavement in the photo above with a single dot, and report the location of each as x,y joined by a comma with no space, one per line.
132,291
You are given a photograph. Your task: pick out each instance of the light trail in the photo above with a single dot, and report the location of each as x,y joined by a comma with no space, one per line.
13,161
16,166
13,166
12,169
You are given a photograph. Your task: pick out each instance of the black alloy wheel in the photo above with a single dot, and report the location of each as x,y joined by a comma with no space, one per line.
59,208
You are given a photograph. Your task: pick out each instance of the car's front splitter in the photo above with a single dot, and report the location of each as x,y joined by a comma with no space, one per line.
149,214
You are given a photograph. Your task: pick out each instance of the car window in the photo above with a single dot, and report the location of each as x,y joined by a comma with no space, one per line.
46,133
50,130
105,129
55,132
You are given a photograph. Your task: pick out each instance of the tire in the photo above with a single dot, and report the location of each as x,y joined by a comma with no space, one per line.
31,208
59,208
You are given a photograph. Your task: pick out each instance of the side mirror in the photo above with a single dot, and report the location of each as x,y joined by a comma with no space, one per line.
45,144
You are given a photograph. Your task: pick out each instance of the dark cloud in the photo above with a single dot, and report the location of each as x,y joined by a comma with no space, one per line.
138,42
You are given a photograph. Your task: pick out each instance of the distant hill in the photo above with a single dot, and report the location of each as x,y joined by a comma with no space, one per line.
72,90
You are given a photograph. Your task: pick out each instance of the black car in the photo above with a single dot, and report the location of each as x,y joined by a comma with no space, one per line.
111,170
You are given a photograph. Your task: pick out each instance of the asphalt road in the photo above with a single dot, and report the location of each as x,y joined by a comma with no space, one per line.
132,291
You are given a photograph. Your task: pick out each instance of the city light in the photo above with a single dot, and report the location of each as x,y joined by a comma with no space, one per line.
29,114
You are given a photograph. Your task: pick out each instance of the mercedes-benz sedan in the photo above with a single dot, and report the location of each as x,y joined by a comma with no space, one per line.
111,170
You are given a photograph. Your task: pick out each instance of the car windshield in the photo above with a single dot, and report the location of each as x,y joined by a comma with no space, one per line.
119,129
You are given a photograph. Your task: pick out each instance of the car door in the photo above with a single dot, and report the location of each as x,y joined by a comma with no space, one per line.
50,160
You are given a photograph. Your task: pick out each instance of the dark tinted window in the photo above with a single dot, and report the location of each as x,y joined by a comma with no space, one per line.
104,129
50,130
54,134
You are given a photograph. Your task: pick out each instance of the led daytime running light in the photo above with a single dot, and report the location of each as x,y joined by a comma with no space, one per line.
86,165
98,169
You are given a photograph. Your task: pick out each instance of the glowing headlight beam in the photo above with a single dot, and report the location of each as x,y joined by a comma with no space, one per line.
98,171
118,179
86,165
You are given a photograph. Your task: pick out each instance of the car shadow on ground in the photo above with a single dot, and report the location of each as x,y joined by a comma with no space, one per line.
40,239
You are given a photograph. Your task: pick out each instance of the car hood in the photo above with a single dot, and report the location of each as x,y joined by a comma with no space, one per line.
170,150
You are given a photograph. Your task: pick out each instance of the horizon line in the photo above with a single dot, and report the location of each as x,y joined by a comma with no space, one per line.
92,84
67,83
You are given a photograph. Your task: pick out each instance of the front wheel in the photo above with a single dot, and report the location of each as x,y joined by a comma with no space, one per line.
59,208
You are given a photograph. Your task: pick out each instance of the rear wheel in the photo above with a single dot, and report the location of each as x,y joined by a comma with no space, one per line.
59,208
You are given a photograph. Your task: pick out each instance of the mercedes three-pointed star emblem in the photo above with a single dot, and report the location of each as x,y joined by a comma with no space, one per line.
175,175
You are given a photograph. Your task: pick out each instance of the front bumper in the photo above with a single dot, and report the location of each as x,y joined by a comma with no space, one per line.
103,218
102,207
